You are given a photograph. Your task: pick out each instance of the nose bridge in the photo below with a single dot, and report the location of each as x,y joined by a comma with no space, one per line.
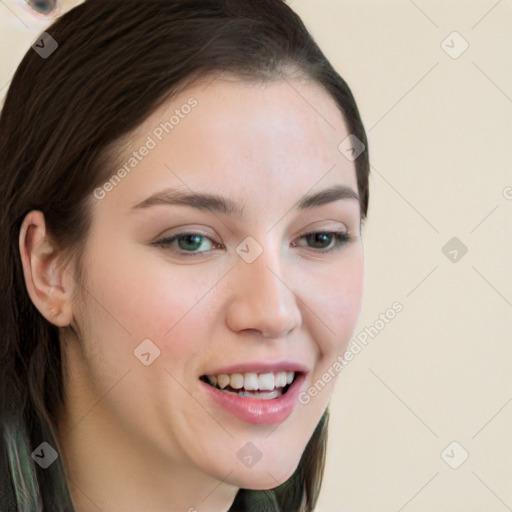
262,298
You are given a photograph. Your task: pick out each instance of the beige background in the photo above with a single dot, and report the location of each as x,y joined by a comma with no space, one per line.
440,144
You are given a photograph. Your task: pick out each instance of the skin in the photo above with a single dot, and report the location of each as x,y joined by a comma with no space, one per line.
137,437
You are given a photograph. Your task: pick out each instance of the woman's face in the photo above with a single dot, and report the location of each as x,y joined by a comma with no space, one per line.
180,287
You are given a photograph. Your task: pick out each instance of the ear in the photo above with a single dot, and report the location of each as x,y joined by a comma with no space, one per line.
49,285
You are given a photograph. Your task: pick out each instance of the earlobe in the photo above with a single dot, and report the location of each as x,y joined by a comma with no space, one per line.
49,284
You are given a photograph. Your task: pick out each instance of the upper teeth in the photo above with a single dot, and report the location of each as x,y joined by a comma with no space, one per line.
252,381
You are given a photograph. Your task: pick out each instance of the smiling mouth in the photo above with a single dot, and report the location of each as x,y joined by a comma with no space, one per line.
264,386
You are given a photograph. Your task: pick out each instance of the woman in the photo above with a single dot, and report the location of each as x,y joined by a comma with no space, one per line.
184,186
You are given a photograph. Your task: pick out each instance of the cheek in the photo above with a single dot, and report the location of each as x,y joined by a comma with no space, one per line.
334,316
347,310
133,298
335,298
143,291
130,302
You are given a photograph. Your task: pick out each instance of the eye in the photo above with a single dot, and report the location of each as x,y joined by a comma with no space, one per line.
186,243
327,240
42,7
189,244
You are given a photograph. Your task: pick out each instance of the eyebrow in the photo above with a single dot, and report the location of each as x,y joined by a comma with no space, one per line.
226,206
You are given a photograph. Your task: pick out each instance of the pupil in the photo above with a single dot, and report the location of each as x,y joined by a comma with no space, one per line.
190,239
317,237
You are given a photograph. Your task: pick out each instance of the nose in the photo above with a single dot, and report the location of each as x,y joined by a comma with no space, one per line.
262,299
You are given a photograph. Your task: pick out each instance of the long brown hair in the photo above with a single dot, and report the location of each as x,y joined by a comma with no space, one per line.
116,62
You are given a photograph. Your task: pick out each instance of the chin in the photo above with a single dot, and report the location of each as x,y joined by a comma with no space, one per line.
262,478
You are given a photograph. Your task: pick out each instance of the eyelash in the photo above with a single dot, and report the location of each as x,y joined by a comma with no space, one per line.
341,237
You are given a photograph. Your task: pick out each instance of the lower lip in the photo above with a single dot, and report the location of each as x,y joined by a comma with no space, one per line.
256,410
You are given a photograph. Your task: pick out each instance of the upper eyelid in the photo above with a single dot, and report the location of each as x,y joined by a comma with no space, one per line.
300,234
306,230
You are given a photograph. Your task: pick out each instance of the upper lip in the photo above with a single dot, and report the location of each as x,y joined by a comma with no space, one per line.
261,367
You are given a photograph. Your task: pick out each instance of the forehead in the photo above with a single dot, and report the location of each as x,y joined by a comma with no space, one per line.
258,140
